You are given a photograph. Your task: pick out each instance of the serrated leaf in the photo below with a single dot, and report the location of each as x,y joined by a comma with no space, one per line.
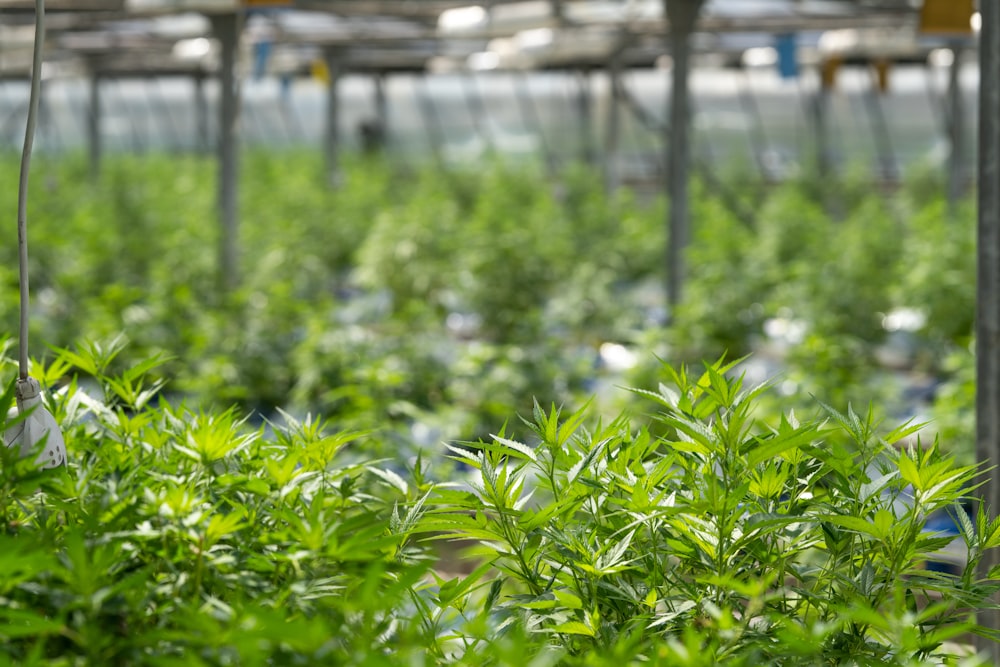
493,594
875,486
568,599
908,471
518,447
587,460
467,455
390,477
776,445
855,524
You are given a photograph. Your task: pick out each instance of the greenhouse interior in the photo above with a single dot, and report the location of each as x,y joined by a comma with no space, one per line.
526,332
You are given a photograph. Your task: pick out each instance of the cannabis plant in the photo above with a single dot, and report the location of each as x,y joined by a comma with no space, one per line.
714,538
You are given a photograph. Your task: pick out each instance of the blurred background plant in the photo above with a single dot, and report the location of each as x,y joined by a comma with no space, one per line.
440,304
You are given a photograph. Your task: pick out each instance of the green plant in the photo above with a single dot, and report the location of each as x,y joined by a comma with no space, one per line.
346,293
725,540
187,537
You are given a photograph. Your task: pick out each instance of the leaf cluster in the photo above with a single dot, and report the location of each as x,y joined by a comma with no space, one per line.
725,540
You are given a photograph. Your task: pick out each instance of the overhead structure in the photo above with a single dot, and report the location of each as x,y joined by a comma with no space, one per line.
152,36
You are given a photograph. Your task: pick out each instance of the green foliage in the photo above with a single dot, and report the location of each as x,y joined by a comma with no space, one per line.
940,275
378,299
185,536
180,536
725,540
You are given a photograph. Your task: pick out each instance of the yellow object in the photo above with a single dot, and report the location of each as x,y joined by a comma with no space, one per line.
828,72
882,68
320,71
947,16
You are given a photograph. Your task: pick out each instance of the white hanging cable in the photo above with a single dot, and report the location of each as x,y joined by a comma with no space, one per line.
37,424
22,191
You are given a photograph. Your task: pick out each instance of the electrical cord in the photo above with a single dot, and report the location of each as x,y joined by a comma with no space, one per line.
22,191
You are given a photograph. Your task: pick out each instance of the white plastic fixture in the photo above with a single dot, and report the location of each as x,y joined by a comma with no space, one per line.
535,38
155,6
192,49
460,19
760,56
37,428
483,60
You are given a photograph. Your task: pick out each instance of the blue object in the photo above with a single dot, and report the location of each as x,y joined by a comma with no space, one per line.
286,87
788,63
261,54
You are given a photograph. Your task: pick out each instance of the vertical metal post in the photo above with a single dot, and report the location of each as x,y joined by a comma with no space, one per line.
758,133
585,111
988,292
201,112
880,130
532,119
94,122
431,117
227,30
381,109
173,138
478,110
683,15
332,57
956,130
821,109
612,138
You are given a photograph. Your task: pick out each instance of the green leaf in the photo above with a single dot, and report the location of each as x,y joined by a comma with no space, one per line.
573,628
767,448
521,449
391,478
568,599
855,524
908,471
587,461
18,623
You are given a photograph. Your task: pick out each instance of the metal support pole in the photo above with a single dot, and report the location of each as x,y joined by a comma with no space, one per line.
381,109
201,112
227,30
333,59
478,111
821,109
988,295
758,133
683,15
532,119
173,133
584,104
956,130
94,123
431,117
558,12
880,131
612,139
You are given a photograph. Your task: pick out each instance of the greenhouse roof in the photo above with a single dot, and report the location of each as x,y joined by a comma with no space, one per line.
175,36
